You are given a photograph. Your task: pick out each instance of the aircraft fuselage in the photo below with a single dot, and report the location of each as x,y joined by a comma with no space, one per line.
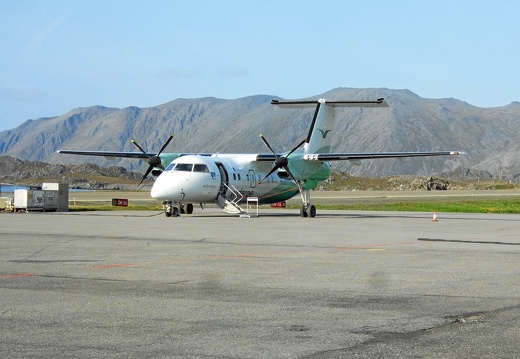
201,179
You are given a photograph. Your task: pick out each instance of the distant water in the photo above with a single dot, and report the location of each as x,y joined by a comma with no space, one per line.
10,189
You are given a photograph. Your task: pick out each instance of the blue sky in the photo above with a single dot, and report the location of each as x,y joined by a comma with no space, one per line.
59,55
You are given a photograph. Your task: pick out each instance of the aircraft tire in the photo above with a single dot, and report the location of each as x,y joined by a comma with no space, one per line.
168,210
303,212
312,211
189,208
175,212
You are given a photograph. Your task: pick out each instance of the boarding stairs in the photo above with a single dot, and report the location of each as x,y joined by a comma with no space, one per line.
230,205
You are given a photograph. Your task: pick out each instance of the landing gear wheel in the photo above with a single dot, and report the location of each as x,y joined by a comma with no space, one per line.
168,209
189,208
312,211
303,211
181,208
175,212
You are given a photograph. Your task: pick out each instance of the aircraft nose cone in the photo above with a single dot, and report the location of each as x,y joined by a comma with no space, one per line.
159,188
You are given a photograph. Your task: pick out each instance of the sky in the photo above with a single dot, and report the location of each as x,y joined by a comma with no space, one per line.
57,55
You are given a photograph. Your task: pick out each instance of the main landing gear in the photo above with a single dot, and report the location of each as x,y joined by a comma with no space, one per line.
307,209
282,162
308,212
170,210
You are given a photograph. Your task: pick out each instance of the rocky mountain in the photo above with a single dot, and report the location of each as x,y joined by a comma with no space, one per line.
489,135
89,176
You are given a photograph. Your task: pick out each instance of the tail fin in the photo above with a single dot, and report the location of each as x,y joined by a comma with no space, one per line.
319,138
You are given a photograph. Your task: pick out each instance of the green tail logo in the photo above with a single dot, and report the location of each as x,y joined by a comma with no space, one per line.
324,133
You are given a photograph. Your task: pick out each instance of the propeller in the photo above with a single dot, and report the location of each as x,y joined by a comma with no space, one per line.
282,162
153,161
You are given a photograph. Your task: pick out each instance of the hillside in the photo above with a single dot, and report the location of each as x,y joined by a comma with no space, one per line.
88,176
412,123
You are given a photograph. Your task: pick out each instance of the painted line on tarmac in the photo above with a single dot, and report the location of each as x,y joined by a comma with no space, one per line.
371,247
17,275
118,265
466,241
270,254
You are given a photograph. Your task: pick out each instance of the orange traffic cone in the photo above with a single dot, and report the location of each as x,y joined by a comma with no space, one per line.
435,217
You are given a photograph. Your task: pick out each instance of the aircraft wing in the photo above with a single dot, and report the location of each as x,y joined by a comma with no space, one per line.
136,155
355,157
364,156
109,154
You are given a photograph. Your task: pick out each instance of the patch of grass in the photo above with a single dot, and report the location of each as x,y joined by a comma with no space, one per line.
341,181
467,206
501,205
97,206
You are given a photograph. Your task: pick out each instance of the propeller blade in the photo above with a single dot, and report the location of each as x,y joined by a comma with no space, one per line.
153,161
295,148
267,175
165,144
294,179
150,168
267,144
281,162
139,147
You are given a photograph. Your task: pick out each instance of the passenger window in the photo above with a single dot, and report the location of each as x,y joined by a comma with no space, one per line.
200,168
186,167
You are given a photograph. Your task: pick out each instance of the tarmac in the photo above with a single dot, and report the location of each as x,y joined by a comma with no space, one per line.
346,284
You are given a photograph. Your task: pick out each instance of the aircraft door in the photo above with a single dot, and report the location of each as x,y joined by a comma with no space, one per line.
252,180
224,178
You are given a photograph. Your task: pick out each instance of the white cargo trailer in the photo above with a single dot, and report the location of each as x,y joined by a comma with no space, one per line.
63,194
35,200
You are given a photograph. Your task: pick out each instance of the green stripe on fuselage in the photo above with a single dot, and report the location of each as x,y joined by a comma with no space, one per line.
280,193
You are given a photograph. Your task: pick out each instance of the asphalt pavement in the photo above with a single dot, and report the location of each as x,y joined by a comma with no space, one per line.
346,284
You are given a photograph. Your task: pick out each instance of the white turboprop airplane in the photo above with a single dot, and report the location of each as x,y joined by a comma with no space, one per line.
231,179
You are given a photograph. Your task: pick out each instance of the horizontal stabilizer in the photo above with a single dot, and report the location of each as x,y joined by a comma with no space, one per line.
295,104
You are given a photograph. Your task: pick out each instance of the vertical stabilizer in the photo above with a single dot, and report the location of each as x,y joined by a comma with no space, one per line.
321,130
319,138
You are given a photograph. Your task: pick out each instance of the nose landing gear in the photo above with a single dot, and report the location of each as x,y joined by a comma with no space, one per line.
170,210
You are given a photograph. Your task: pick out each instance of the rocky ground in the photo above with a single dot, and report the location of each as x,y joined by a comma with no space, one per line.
344,182
87,176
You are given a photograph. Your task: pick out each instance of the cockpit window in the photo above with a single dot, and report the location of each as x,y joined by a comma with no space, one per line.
186,167
200,168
